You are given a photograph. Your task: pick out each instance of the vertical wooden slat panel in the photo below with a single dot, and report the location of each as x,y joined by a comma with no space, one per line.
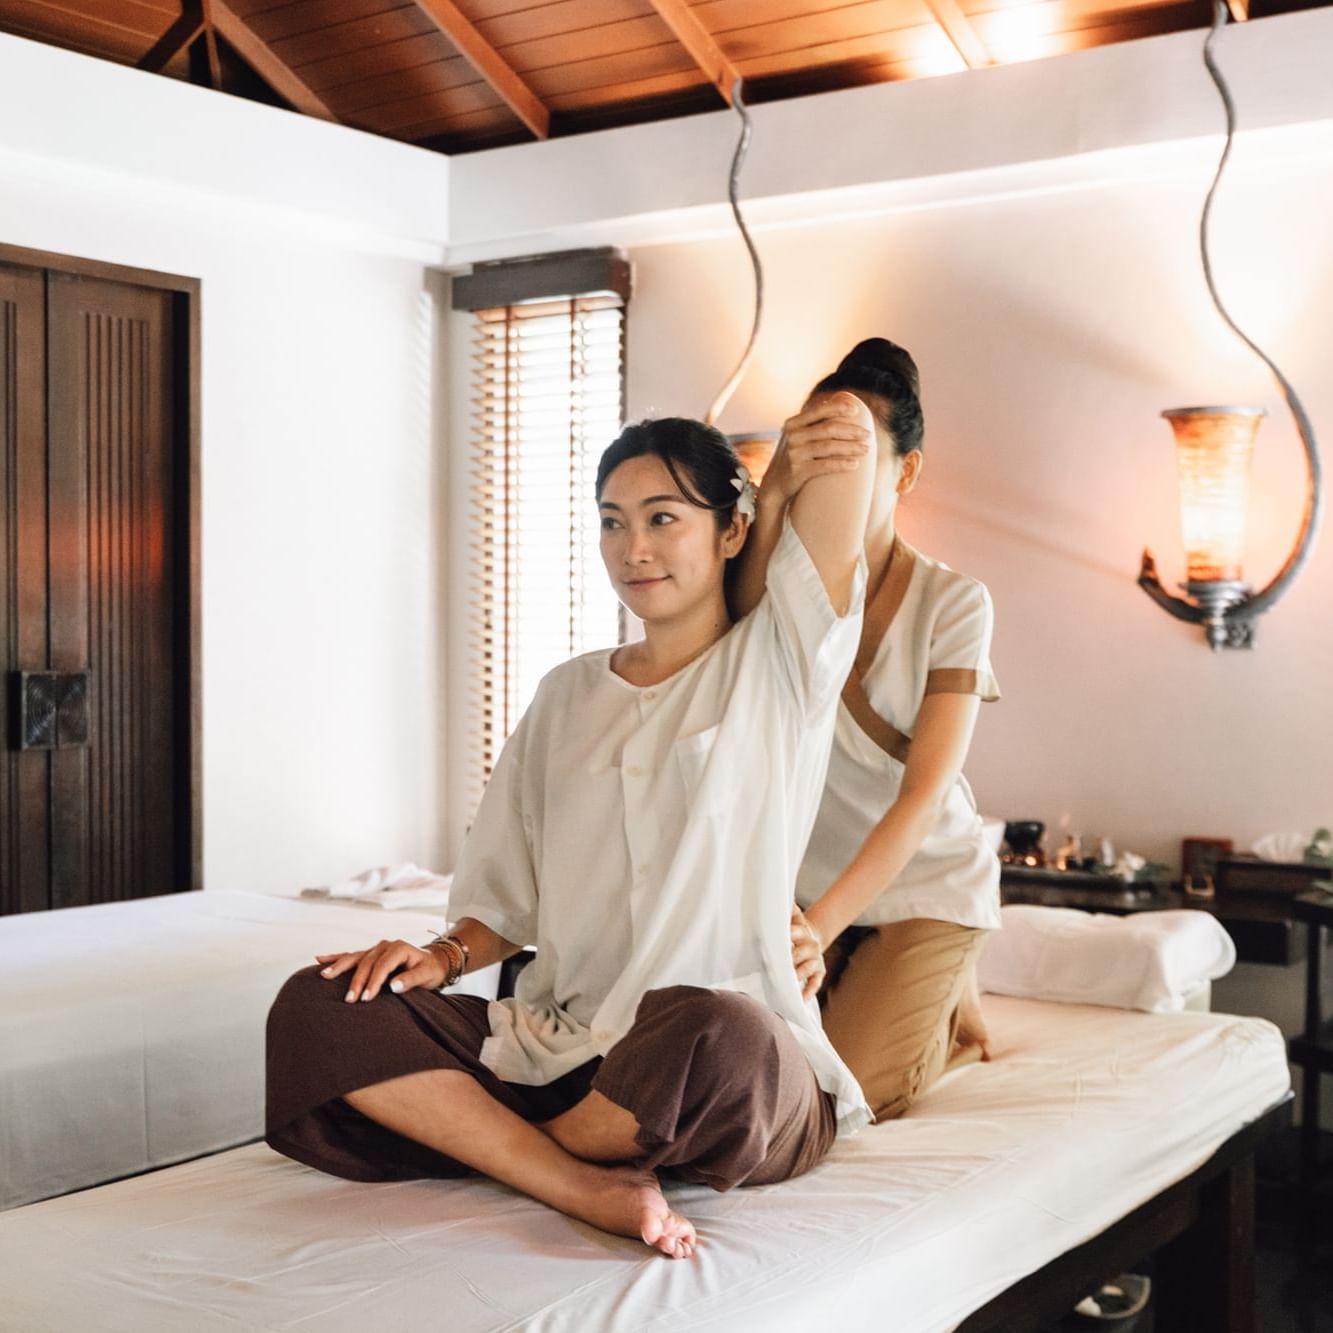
124,657
166,654
92,393
134,448
24,828
100,659
9,826
68,547
133,797
124,757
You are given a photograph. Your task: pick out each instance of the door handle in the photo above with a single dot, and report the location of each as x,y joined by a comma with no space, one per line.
50,709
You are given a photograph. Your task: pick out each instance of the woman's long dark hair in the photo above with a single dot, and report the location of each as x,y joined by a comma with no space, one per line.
887,374
699,458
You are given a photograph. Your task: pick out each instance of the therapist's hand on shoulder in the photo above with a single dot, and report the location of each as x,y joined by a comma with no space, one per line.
807,954
825,437
371,968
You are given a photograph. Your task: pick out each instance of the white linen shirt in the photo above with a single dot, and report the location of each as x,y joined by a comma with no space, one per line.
644,837
935,632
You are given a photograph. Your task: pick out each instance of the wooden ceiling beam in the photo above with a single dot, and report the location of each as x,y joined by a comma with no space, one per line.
260,57
959,30
176,38
489,63
204,59
699,42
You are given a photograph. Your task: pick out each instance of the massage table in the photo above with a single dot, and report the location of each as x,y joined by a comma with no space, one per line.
132,1034
1012,1188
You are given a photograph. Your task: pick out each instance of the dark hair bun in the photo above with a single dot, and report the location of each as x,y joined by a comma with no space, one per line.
887,373
881,355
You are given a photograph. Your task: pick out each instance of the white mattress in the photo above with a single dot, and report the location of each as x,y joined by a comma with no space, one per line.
132,1034
909,1226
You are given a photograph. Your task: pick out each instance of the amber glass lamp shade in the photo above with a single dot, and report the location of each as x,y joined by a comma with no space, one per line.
755,450
1213,450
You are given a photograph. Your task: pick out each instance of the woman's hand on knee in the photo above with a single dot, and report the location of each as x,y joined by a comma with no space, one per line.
371,968
807,954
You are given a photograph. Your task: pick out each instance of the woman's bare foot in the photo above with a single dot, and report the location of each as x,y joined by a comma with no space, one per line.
629,1202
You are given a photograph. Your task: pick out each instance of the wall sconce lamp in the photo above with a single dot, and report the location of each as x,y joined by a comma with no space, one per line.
1213,448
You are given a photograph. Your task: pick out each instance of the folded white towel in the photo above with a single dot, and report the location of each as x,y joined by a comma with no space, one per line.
390,887
1148,961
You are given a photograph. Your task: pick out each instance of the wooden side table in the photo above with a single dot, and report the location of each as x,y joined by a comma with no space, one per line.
1312,1051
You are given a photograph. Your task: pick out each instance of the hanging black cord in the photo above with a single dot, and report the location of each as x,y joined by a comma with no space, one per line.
1261,601
733,194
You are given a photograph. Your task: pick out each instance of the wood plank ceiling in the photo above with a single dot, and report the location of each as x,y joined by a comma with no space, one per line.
455,75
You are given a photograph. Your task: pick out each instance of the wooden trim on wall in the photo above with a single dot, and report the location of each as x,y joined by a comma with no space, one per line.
97,268
189,426
189,328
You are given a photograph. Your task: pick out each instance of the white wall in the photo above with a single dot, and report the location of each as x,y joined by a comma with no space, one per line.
322,629
1050,332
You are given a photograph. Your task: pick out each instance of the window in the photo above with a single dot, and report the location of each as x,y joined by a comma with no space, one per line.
548,394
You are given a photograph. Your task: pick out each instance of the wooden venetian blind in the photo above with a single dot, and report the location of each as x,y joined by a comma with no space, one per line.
548,398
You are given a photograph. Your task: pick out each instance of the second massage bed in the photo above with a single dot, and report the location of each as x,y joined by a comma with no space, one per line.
132,1034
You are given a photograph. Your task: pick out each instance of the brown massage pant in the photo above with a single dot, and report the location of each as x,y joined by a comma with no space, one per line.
717,1082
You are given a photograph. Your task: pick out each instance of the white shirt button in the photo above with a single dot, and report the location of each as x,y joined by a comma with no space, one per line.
641,870
649,696
634,771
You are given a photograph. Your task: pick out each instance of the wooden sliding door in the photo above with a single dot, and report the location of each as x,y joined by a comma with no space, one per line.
98,780
25,845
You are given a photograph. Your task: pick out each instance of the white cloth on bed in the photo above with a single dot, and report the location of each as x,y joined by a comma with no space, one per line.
907,1227
1150,960
132,1034
645,836
391,887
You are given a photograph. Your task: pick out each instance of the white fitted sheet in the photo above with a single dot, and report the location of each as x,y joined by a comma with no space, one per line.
132,1034
1084,1114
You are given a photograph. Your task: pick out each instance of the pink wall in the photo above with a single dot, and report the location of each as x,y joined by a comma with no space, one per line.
1051,330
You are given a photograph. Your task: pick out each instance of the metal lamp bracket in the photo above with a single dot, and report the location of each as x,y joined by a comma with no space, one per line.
1228,610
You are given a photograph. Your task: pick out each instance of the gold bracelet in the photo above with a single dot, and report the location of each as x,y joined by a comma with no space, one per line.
458,955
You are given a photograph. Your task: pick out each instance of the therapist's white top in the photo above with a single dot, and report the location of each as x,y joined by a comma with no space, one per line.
649,836
928,631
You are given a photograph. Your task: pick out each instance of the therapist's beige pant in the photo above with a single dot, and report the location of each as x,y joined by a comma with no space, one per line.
890,1006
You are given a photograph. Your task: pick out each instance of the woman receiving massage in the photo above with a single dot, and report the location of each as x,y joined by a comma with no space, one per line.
643,828
898,884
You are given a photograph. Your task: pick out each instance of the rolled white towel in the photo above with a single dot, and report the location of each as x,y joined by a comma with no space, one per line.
1149,961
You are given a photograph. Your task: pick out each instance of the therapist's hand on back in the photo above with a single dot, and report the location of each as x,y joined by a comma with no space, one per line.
807,954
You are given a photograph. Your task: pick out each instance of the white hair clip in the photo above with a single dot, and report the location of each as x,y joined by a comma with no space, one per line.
745,503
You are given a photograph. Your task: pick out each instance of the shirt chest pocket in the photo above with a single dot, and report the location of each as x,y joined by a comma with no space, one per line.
691,755
715,770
